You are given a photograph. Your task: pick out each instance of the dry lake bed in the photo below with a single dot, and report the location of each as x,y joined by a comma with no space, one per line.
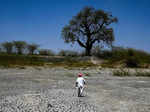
53,90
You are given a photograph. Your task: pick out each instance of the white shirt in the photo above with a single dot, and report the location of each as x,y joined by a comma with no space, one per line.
80,81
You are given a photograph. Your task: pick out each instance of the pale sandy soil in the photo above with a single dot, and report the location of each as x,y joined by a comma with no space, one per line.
52,90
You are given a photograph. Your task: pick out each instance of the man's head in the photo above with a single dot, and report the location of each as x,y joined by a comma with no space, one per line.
80,75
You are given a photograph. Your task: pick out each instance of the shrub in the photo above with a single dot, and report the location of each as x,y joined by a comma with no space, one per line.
68,53
46,52
121,73
106,54
143,74
132,62
126,56
20,60
136,57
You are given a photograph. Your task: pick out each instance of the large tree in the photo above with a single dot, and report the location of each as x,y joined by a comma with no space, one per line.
32,48
20,46
8,47
88,27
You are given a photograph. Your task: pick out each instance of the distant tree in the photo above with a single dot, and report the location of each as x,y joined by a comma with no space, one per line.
20,46
62,53
68,53
32,48
8,47
88,27
46,52
0,48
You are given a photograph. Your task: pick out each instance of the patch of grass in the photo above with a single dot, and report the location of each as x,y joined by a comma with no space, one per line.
19,60
121,73
143,74
46,61
69,63
80,64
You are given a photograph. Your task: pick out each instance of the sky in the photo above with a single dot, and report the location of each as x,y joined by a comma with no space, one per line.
41,21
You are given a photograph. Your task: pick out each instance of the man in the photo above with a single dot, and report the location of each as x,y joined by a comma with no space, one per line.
80,82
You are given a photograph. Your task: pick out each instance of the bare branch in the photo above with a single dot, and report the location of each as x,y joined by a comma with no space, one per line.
81,44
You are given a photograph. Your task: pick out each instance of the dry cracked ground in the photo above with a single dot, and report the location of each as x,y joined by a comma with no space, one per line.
52,90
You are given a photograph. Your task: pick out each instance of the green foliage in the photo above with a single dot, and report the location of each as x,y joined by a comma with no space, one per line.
19,46
32,48
80,64
143,74
105,54
124,73
46,52
68,62
14,60
68,53
8,47
130,57
133,61
121,73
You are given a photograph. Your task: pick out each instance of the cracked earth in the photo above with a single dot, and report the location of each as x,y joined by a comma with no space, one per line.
52,90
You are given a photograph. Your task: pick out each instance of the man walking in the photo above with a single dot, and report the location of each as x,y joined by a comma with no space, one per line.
80,82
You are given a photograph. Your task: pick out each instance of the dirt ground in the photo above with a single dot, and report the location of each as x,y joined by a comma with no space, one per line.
53,90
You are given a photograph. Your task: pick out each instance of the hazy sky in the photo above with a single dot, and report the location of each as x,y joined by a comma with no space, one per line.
41,21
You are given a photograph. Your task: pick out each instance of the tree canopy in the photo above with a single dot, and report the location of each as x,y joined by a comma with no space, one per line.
88,27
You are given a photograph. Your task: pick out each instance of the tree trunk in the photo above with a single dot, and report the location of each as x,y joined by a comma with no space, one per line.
88,46
32,52
88,51
19,51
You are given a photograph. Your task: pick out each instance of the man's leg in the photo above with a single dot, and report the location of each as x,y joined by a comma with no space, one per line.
79,91
82,90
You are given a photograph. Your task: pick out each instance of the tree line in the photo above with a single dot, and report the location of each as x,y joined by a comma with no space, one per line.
19,47
24,48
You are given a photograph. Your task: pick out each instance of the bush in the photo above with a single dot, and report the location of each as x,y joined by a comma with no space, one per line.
137,57
143,74
46,52
126,56
68,53
123,73
106,54
20,60
133,62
